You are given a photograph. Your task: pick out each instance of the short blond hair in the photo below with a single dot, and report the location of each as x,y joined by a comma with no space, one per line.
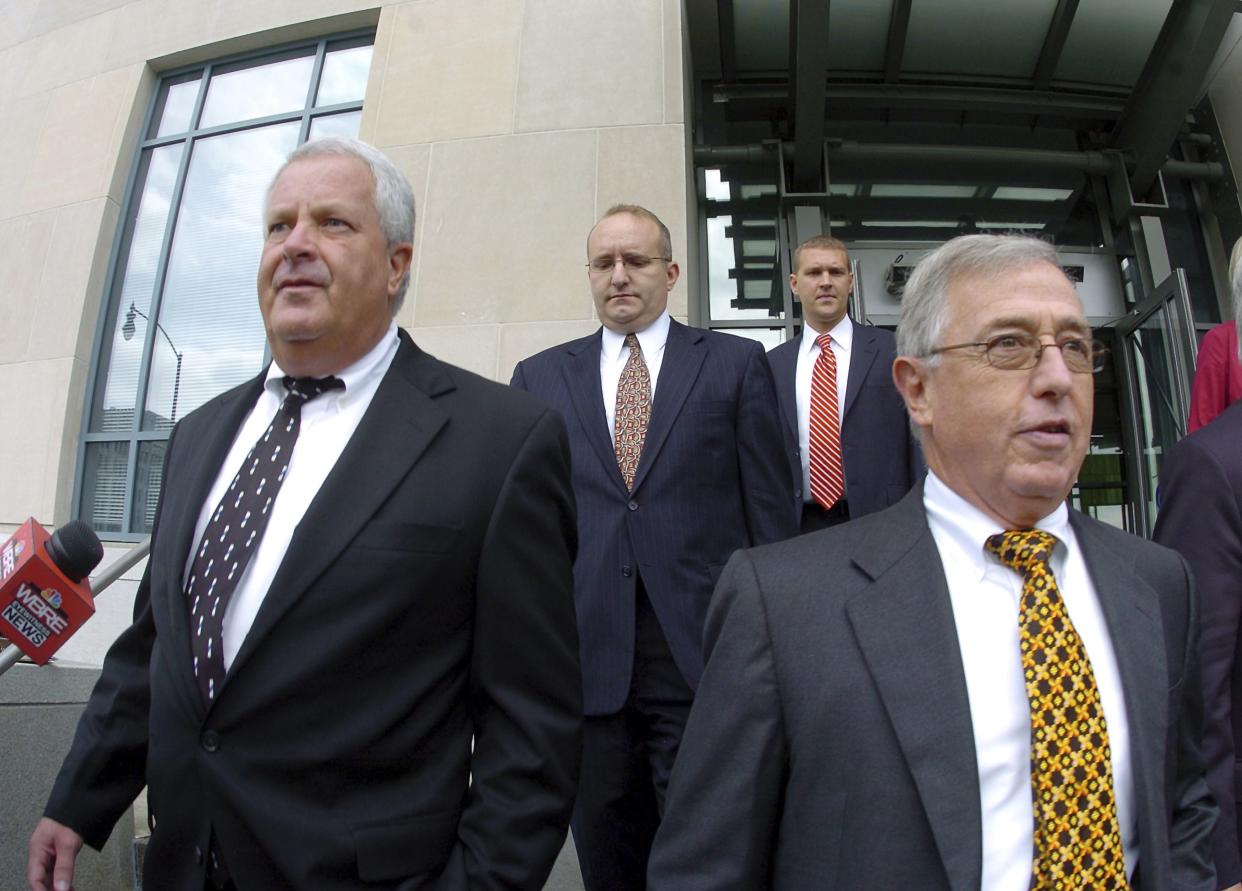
820,243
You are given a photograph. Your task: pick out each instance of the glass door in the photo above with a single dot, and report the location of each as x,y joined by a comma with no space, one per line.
1155,361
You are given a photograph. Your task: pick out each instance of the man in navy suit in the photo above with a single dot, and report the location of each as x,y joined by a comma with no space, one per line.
678,461
877,456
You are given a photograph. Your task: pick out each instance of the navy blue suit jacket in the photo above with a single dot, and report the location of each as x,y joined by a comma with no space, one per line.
1201,518
882,460
713,478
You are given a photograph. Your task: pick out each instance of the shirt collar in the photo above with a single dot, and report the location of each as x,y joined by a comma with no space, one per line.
842,334
651,339
968,527
353,376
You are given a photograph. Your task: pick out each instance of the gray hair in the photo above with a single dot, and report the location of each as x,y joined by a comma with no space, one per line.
925,305
393,197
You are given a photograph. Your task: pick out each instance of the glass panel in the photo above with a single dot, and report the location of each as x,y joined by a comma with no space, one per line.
1023,193
147,477
344,77
103,485
336,125
915,190
1110,40
258,91
762,34
210,334
747,293
769,337
1157,398
858,35
967,37
177,106
115,409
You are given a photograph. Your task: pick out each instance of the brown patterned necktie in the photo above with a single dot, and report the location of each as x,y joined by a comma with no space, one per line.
633,411
1077,835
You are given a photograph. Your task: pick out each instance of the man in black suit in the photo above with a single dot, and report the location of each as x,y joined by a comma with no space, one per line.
852,450
977,687
677,462
1201,518
383,690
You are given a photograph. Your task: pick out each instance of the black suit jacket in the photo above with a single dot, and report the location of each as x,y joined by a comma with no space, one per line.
882,460
423,607
830,744
1201,517
712,479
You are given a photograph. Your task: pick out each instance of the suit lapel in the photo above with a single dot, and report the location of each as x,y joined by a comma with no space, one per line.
401,422
862,357
1132,612
904,625
784,362
582,379
684,352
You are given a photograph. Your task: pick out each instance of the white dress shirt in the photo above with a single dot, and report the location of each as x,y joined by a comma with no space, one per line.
985,597
842,335
328,422
613,355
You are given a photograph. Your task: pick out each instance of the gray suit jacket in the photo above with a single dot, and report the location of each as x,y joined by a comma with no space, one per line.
830,743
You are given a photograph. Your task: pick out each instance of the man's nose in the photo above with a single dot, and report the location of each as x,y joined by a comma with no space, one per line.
300,241
620,272
1051,374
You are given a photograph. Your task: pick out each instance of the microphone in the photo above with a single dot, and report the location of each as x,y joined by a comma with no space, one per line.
44,595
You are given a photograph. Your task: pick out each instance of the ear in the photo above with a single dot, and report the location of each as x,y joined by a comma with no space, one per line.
793,283
674,272
399,258
910,376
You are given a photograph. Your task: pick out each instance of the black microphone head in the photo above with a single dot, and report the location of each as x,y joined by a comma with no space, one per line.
75,549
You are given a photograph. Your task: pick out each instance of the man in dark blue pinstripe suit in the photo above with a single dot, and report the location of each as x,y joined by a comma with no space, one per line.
710,477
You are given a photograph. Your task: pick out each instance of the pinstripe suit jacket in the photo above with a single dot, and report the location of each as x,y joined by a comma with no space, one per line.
713,478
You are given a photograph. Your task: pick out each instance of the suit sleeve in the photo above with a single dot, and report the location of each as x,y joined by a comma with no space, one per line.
767,488
1201,519
525,682
106,765
725,794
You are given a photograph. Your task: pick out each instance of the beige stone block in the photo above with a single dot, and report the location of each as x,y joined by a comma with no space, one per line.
76,51
380,50
591,63
235,17
148,29
16,17
78,149
34,458
63,437
414,161
25,245
449,72
676,62
49,15
473,347
647,166
505,227
518,342
72,283
23,120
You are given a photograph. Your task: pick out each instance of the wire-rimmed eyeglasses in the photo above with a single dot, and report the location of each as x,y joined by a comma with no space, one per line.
1019,352
602,265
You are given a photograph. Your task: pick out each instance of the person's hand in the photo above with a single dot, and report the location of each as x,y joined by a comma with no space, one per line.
53,849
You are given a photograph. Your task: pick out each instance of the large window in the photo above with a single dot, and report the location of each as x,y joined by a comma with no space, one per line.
182,320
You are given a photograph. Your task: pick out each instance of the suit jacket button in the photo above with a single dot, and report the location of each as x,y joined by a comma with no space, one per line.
198,855
210,740
633,505
627,570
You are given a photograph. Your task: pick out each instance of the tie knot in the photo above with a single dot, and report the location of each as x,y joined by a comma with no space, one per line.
825,342
631,341
1022,549
307,388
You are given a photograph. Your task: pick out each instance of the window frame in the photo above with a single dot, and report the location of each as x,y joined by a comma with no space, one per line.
112,297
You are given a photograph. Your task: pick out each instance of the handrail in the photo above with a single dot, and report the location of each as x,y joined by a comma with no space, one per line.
12,654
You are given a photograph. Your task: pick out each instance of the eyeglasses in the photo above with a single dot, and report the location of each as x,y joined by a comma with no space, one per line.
1019,352
603,265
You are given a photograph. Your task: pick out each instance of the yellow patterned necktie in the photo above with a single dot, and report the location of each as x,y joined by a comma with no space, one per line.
633,411
1077,837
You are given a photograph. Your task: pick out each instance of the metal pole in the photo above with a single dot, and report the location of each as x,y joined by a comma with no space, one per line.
117,568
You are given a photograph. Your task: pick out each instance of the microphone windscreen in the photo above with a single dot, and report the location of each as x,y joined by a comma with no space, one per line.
75,549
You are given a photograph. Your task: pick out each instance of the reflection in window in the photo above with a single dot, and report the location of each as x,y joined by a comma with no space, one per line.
183,320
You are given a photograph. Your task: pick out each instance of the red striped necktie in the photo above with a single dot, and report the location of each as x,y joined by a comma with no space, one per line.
827,476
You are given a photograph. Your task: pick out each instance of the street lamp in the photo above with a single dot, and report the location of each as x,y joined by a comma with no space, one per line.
127,331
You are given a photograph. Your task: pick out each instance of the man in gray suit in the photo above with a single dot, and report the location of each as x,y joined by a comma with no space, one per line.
976,688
